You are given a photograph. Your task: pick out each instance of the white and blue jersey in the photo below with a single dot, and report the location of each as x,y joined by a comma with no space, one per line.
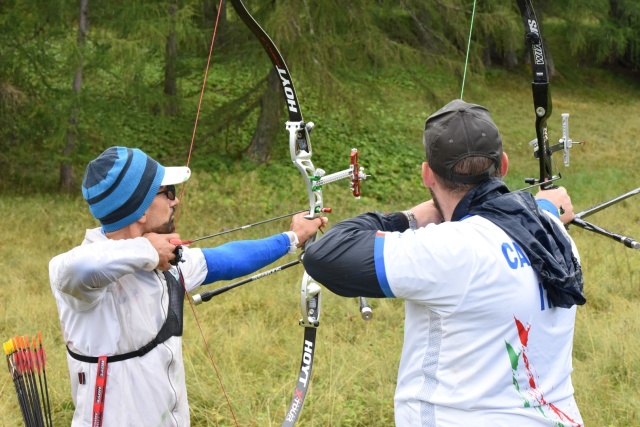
482,344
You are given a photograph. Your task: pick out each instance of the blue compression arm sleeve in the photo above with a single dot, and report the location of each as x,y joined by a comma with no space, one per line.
237,259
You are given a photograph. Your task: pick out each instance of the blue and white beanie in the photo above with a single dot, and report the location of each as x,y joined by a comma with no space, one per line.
121,183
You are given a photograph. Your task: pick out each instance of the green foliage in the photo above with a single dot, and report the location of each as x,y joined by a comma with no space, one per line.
603,31
337,53
121,100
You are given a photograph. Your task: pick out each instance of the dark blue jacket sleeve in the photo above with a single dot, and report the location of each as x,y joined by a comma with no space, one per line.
239,258
343,259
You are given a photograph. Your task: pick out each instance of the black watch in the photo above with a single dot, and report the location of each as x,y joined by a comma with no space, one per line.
413,223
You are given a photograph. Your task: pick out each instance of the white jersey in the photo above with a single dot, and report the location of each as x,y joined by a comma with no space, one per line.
482,345
100,286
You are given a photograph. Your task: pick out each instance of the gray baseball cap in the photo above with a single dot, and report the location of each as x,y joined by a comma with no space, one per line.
457,131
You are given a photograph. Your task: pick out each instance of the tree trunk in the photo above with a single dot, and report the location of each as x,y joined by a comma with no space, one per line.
551,67
66,166
510,59
491,56
626,18
170,60
210,14
486,55
269,121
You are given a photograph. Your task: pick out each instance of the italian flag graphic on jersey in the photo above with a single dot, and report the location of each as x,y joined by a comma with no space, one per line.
533,393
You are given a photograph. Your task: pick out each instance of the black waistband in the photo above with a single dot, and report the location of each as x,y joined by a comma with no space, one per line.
119,357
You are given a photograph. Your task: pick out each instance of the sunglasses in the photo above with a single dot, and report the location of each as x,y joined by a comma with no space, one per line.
169,191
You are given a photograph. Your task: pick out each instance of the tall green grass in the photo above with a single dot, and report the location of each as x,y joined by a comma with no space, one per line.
253,331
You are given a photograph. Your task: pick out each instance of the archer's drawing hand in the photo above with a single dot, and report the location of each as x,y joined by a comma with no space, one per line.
165,249
561,200
426,213
305,228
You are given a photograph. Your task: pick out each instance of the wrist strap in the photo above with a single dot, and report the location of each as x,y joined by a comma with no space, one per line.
293,239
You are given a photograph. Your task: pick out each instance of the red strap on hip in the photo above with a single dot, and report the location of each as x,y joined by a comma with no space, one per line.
101,391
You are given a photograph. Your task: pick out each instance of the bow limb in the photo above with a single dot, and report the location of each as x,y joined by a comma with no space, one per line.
300,150
541,92
299,130
299,141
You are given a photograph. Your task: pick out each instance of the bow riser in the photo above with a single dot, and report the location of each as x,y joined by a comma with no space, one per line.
300,151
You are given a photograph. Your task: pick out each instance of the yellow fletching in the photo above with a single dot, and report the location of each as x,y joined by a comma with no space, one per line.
8,347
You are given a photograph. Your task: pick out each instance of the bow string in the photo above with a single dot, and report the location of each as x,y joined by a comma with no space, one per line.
178,250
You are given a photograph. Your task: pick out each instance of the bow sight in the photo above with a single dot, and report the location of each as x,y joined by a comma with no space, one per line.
565,143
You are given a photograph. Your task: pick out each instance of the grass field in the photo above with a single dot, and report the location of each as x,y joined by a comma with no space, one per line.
253,331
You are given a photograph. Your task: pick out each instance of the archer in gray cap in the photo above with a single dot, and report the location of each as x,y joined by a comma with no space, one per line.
490,280
463,148
460,131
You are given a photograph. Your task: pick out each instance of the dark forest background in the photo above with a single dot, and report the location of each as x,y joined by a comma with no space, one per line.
78,77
